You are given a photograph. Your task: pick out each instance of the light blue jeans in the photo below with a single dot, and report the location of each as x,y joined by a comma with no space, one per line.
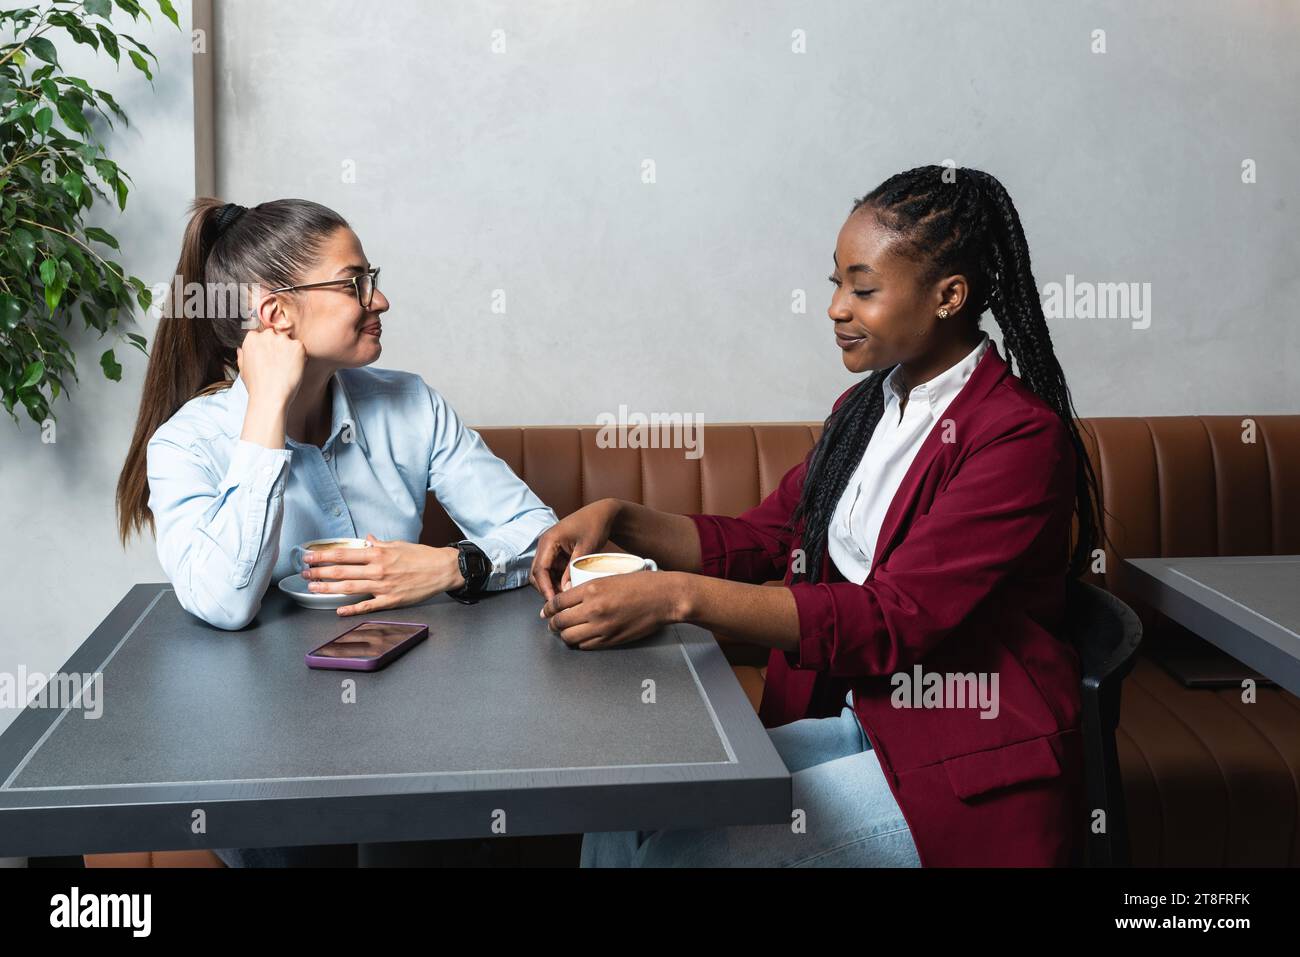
850,817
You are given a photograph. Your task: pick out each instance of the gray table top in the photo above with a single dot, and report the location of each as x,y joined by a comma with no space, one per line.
492,725
1249,606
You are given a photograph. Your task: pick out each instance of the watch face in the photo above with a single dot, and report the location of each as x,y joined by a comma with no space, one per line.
474,566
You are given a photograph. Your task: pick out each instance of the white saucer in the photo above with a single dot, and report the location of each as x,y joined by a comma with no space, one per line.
295,586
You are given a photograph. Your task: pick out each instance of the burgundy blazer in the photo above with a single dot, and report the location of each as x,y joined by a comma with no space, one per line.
968,578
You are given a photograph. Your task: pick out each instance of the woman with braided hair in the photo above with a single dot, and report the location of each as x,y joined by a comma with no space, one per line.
918,687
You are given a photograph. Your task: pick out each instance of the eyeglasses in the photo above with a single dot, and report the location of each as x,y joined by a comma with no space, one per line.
365,285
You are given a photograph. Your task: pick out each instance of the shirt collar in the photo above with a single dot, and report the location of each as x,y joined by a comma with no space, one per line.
940,390
343,414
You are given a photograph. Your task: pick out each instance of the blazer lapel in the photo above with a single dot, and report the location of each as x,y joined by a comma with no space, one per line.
988,373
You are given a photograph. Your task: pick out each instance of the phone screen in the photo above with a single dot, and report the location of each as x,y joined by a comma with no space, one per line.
370,639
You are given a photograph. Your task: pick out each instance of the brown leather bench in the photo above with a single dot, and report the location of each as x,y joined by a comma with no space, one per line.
1209,781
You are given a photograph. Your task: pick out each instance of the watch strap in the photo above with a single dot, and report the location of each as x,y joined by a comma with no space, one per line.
475,568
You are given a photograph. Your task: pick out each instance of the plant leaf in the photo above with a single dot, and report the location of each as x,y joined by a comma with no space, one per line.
140,63
44,49
19,111
71,114
107,99
141,47
131,7
32,375
169,11
100,236
109,39
53,293
91,314
108,362
72,185
11,312
25,243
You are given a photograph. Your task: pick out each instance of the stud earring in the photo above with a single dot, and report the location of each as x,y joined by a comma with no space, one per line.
943,313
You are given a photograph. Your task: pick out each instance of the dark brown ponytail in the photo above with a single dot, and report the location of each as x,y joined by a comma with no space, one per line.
193,351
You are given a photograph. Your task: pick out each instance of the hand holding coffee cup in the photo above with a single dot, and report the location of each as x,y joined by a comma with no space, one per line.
322,544
580,533
625,607
584,568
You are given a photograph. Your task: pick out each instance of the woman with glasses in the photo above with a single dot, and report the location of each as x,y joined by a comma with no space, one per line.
305,442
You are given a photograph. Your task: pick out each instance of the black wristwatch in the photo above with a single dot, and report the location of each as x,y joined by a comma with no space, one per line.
474,568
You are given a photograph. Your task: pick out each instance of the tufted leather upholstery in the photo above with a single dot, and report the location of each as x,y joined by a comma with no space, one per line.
1209,780
155,859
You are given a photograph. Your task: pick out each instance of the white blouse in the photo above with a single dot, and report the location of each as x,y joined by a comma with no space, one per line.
855,525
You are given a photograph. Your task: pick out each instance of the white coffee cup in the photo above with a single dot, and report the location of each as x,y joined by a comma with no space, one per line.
321,544
584,568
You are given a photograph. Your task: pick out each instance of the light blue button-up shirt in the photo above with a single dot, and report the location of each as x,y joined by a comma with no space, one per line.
228,511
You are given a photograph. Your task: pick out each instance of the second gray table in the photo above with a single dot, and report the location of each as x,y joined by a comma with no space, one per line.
1247,606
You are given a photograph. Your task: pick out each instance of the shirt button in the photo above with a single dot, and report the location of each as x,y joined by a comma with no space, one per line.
337,510
327,453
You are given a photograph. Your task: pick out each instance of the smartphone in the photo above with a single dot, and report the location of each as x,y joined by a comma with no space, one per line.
368,646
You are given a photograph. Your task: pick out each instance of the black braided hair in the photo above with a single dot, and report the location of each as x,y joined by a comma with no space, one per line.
965,225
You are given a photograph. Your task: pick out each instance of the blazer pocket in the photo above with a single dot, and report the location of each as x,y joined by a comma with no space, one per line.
971,775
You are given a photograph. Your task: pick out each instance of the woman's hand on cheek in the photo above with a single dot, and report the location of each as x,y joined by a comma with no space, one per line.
396,573
617,609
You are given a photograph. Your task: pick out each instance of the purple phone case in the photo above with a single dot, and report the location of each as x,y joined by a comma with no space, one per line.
368,664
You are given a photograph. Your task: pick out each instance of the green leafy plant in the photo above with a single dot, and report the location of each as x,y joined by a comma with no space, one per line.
53,165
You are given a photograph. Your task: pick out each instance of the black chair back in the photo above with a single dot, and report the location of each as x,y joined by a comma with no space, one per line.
1107,634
